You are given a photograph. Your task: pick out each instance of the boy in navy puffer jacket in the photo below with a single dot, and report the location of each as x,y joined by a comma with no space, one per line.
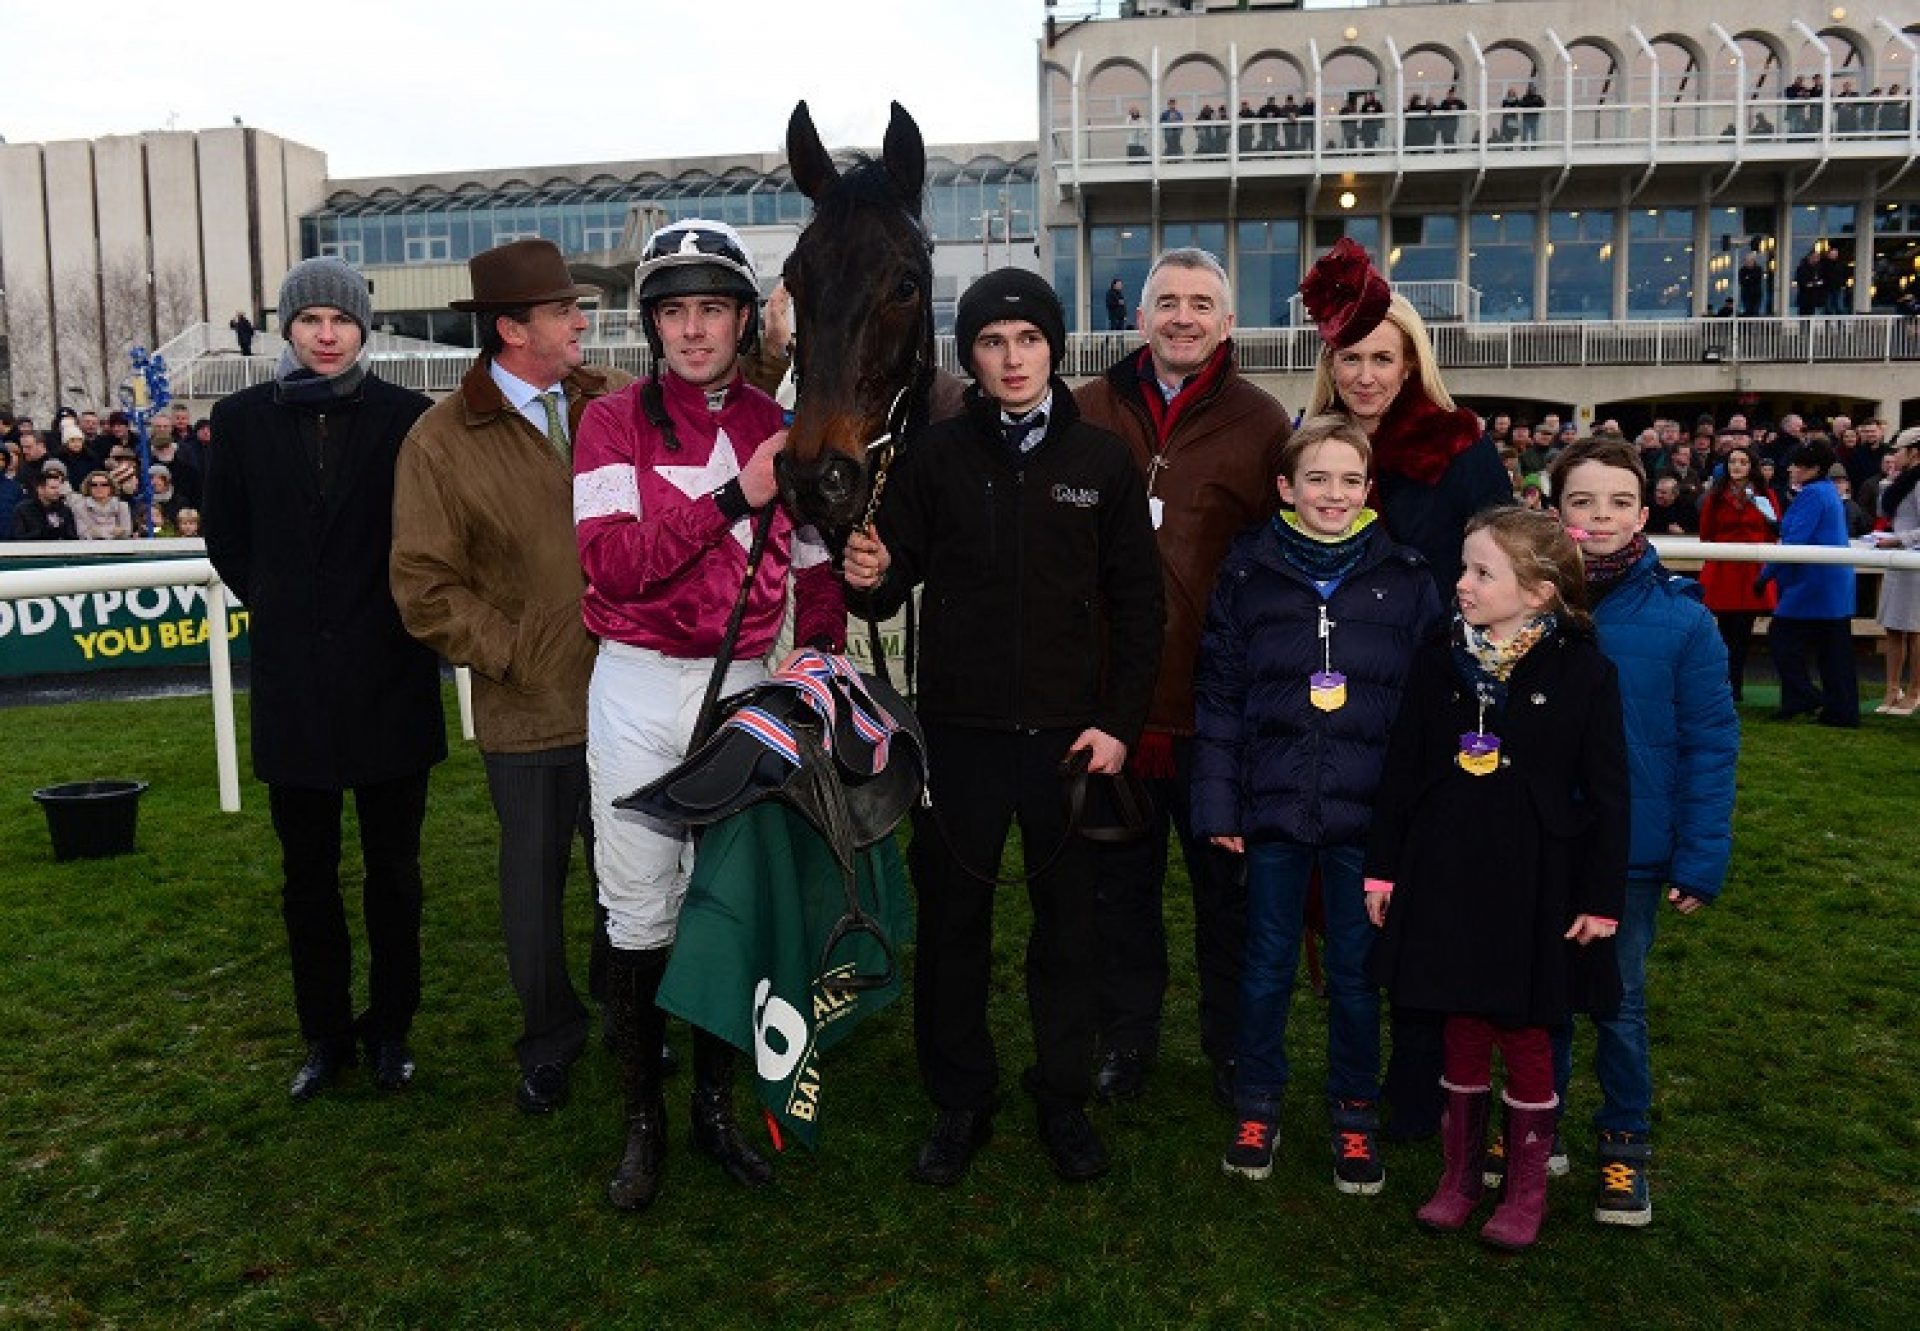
1683,742
1312,627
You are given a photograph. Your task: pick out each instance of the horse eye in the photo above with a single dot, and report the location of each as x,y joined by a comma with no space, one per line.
907,290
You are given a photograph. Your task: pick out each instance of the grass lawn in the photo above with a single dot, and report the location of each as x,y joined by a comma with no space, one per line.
154,1174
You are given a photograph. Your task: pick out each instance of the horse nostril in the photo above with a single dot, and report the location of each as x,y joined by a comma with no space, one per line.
837,481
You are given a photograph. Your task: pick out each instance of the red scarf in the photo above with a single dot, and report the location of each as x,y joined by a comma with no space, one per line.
1167,414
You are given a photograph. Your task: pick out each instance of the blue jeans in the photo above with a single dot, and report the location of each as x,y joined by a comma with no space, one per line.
1277,877
1621,1061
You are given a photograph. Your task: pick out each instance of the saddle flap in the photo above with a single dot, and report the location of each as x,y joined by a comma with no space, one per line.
737,766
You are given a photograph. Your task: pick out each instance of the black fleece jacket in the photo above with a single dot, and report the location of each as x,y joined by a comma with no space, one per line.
1042,604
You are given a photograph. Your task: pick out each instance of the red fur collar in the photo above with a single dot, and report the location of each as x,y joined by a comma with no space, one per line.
1418,439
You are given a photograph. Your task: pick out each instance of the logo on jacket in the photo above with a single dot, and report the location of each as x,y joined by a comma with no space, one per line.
1078,497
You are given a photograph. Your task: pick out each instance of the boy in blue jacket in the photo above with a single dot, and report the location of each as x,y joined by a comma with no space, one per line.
1683,741
1309,638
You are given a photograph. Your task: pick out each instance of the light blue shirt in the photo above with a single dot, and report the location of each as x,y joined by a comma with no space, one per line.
524,398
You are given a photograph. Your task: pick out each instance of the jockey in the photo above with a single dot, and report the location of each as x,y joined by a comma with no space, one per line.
671,475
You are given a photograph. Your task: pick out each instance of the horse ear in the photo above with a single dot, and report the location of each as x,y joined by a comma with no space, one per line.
905,156
813,170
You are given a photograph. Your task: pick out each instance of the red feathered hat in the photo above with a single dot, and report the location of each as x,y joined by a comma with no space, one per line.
1345,294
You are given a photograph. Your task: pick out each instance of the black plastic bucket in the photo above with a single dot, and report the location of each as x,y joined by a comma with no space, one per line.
91,819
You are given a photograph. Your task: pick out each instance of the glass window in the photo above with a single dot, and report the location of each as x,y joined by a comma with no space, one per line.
1732,235
1426,249
1122,250
1500,265
1208,236
1660,265
1580,262
1066,262
1828,226
1268,273
429,249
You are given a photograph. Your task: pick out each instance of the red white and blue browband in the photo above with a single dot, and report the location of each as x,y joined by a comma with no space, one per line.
814,676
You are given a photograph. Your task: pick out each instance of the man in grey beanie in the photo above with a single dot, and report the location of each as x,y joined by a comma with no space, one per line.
298,523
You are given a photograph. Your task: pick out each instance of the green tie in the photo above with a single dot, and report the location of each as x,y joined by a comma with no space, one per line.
556,432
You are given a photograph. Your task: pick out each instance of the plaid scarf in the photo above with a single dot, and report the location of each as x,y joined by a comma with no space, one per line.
1605,572
1486,665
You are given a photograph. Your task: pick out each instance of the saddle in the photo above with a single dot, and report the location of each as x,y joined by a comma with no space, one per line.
842,749
818,718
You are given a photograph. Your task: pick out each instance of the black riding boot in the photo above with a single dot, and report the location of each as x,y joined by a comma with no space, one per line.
633,977
715,1131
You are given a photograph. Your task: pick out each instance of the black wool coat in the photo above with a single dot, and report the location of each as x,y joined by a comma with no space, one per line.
343,696
1490,871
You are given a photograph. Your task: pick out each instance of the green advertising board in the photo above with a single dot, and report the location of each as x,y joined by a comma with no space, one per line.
109,630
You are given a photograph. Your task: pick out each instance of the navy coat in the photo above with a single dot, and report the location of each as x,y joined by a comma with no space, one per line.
1267,764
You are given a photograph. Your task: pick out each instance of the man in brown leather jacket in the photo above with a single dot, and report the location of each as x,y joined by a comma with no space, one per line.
1208,443
486,572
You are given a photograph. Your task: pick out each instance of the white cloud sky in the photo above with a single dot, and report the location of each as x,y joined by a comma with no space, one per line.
407,86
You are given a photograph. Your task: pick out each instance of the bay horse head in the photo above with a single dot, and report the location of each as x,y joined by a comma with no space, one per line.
861,278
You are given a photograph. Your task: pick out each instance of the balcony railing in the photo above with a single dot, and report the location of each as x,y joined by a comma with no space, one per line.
1640,127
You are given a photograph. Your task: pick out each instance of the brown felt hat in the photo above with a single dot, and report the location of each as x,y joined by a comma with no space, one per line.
521,272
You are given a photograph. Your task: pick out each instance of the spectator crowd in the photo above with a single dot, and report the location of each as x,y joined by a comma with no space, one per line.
81,479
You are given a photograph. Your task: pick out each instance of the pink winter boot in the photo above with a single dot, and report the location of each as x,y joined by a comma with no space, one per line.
1516,1221
1463,1137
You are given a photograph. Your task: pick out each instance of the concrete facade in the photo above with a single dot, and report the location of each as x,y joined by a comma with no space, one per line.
126,240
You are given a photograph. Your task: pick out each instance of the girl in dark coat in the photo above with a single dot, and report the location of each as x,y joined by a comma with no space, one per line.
1313,623
1500,835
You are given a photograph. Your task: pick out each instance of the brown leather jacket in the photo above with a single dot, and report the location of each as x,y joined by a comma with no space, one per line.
485,568
1216,478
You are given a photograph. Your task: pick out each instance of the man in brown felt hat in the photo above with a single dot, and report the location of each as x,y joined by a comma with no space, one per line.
485,571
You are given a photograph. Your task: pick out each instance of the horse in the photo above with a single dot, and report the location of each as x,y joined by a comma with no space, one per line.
861,278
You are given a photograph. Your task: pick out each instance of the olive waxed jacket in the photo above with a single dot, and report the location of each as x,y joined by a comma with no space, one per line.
485,568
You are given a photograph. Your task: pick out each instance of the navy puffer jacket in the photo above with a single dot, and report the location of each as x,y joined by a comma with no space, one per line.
1268,764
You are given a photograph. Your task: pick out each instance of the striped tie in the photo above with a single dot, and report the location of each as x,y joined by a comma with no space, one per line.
556,432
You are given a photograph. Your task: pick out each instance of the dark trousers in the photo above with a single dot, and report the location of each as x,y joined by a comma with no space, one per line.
308,825
1133,931
1736,631
540,800
981,781
1831,643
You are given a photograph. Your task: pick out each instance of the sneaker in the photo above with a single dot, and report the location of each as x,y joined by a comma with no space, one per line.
1493,1166
1356,1155
1250,1153
1624,1198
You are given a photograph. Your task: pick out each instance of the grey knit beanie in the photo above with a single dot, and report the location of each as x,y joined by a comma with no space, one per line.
325,281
